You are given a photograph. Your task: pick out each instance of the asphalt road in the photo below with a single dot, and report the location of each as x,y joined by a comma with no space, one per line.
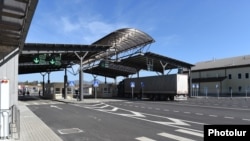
140,120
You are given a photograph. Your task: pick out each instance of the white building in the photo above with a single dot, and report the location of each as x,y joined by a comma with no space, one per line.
221,77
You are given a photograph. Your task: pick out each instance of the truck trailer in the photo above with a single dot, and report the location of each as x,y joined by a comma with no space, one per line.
163,87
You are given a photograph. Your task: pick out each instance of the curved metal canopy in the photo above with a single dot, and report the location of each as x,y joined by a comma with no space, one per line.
126,38
122,40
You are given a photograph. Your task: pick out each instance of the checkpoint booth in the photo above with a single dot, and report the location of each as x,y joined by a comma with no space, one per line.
56,90
98,90
105,90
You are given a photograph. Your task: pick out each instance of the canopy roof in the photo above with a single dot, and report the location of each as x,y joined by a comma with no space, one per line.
114,43
68,54
15,19
132,65
121,41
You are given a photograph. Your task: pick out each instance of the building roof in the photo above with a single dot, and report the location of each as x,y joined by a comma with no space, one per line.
233,62
15,19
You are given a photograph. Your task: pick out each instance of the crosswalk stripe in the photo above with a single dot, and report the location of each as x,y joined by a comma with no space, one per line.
189,132
144,139
171,136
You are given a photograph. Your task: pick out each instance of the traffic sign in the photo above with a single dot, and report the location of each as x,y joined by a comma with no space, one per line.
104,63
96,83
71,83
36,59
132,84
142,84
52,61
43,59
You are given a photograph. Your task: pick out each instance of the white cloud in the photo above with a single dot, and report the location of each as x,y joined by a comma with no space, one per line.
69,26
87,31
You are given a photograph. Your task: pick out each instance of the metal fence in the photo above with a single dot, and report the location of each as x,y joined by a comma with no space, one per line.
217,92
10,123
15,123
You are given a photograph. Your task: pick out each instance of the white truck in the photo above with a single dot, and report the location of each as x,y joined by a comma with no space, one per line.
164,87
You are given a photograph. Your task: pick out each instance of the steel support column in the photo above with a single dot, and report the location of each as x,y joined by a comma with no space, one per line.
81,75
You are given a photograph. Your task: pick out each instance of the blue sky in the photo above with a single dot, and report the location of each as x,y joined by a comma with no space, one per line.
187,30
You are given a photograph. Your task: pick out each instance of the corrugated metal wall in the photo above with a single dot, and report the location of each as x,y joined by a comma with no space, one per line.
10,71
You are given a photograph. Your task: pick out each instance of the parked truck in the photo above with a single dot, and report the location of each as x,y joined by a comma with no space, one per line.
164,87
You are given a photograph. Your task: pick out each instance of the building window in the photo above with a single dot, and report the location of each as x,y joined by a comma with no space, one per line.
247,75
229,76
239,75
57,91
239,88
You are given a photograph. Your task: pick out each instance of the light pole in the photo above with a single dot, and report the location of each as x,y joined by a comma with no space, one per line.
197,89
217,88
193,92
205,89
43,74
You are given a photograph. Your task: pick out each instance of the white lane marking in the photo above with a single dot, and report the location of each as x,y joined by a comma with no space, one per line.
106,110
175,122
178,138
134,114
246,119
176,111
139,116
190,132
166,110
143,107
53,106
34,103
229,117
157,109
215,107
144,139
186,112
200,114
213,115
